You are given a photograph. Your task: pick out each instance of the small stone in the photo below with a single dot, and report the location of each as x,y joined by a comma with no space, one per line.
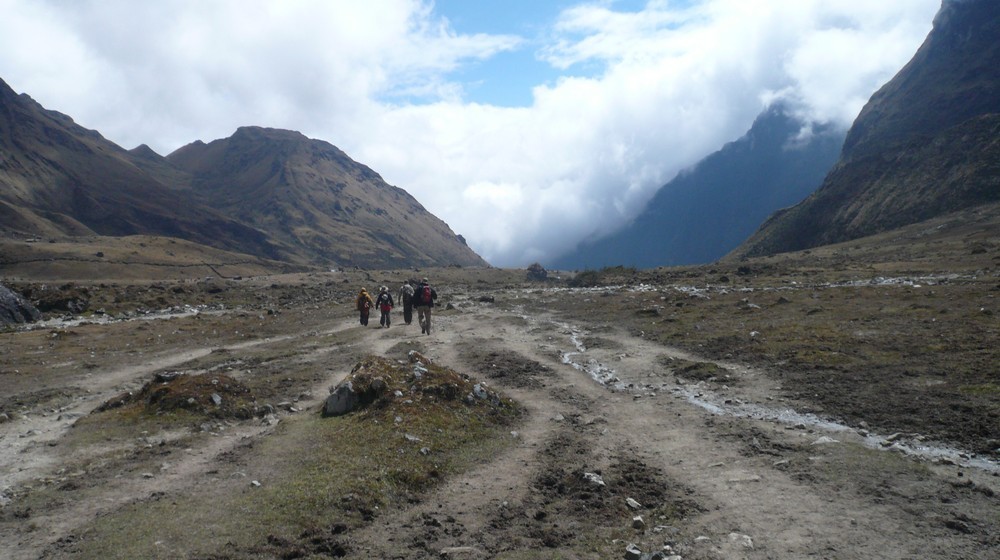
255,483
638,523
480,391
750,478
742,540
632,503
594,478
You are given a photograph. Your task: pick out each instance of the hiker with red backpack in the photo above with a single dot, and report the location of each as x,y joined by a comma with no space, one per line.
423,300
384,304
364,303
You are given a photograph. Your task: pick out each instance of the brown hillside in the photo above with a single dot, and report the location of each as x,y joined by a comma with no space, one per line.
311,197
61,179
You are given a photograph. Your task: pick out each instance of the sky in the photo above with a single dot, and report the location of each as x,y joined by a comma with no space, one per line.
526,125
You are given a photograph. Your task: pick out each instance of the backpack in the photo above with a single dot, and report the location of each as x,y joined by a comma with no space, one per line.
425,295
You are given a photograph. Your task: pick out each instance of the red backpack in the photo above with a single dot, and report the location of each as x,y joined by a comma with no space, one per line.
425,295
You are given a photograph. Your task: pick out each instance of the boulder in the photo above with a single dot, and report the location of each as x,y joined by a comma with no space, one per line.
342,400
15,309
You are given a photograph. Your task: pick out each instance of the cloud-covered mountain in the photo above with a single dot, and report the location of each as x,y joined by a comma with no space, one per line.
269,193
708,210
927,143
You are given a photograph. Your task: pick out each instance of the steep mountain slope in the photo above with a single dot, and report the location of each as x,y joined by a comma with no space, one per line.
705,212
926,144
268,193
312,198
60,179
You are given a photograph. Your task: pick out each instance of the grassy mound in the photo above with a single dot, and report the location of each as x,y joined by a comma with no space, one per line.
313,480
210,395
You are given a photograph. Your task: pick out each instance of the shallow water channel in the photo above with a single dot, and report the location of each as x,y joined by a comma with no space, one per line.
727,406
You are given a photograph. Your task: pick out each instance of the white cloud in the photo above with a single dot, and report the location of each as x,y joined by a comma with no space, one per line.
642,95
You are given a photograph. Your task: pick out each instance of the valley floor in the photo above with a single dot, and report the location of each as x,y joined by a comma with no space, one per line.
630,445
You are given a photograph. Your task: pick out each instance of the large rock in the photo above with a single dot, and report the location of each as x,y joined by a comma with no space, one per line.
14,309
342,400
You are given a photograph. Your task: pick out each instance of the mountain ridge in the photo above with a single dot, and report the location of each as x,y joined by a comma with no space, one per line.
710,208
925,144
62,179
273,194
307,193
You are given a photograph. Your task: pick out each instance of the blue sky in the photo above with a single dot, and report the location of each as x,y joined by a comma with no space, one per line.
525,125
507,79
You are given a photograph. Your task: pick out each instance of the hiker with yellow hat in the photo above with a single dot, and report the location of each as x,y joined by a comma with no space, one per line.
364,303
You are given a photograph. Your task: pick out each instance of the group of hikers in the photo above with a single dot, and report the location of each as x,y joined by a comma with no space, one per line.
420,297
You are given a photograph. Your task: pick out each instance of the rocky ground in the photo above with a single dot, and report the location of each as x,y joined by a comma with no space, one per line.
775,409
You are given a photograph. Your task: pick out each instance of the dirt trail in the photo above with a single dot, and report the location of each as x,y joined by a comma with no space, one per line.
711,485
750,477
26,443
39,430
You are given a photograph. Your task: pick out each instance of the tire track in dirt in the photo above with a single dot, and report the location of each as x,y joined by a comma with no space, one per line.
784,516
752,505
715,461
465,504
24,457
36,430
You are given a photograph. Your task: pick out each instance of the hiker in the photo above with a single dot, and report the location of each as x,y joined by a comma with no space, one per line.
364,303
384,304
424,297
406,296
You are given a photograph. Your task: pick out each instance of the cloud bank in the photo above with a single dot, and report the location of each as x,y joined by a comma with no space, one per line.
633,98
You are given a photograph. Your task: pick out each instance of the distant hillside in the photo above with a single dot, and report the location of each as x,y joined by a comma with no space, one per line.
707,211
267,193
315,200
60,179
926,144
